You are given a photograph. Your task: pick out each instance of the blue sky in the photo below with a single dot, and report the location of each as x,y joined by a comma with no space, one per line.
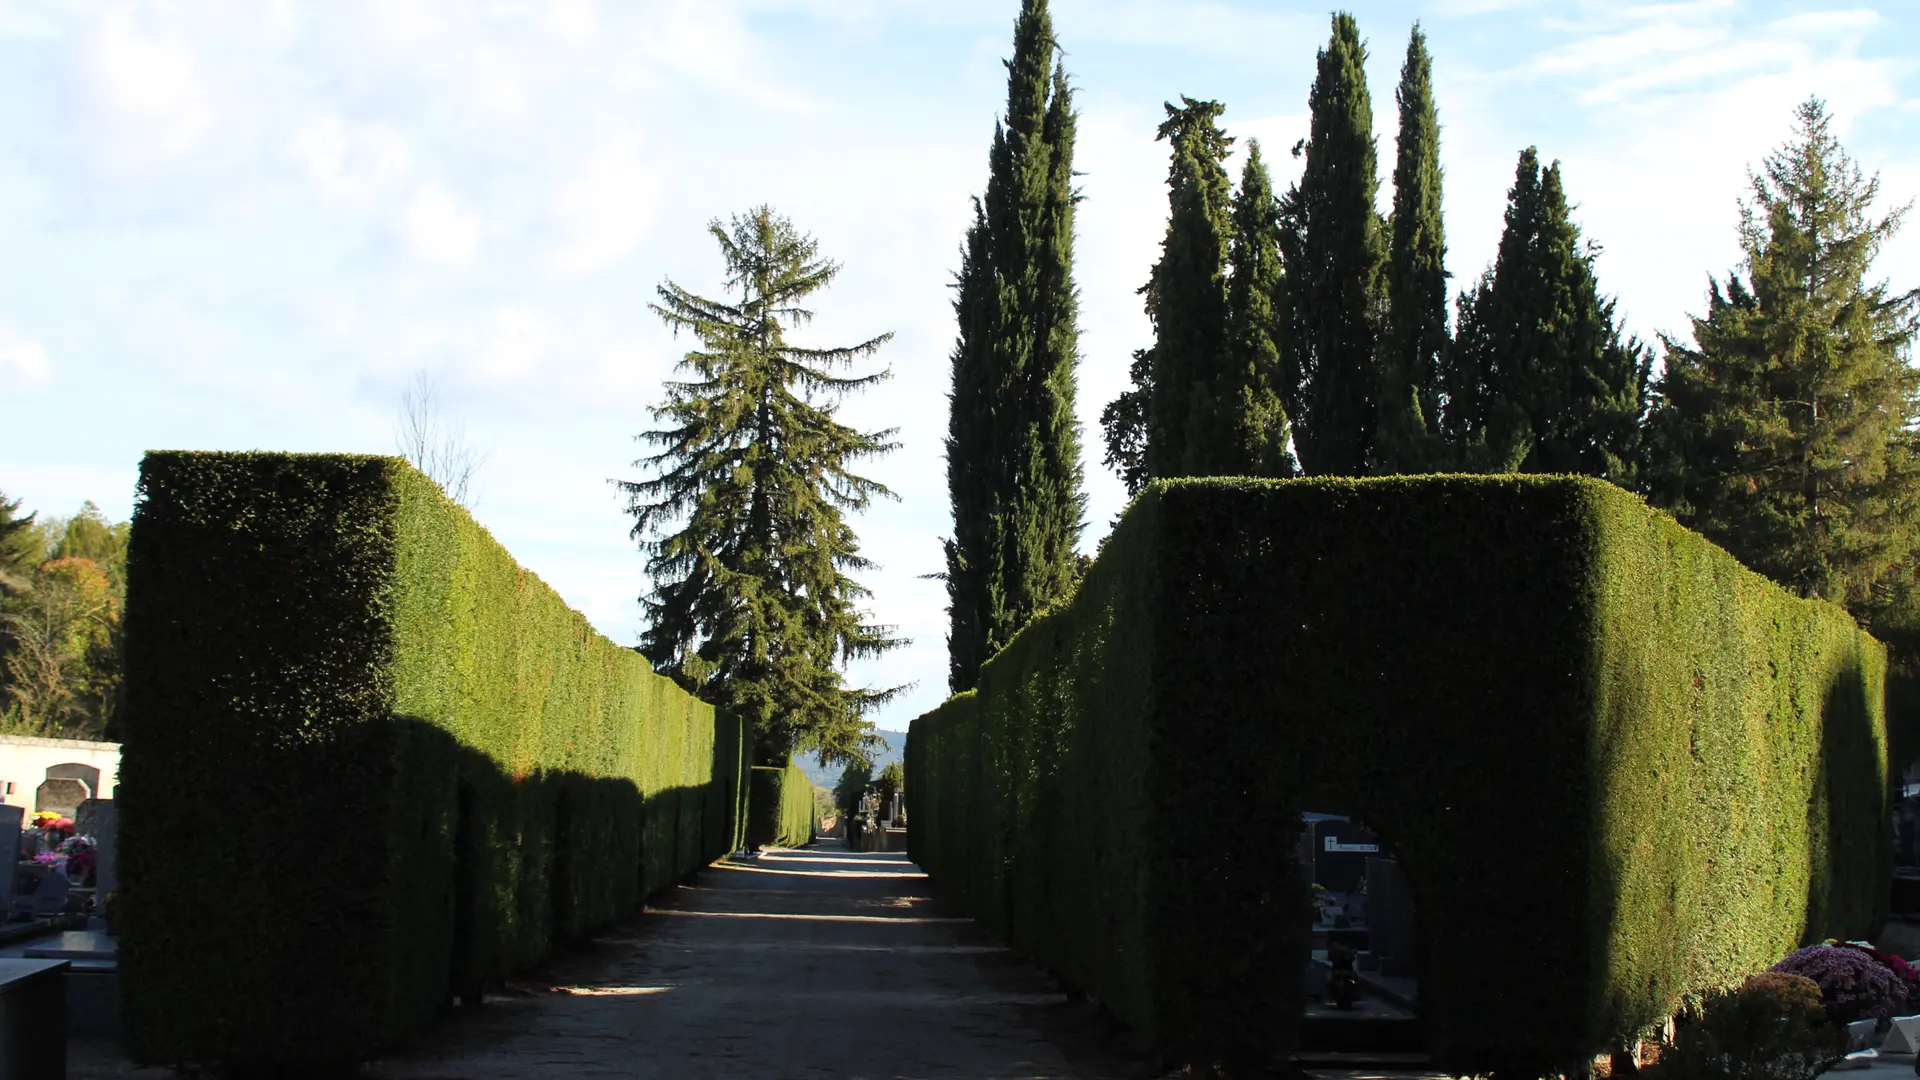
235,225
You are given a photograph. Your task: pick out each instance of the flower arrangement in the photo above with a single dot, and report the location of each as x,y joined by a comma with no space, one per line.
1855,981
81,854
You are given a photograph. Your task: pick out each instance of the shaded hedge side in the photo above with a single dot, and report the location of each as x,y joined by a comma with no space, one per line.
426,768
1548,698
784,797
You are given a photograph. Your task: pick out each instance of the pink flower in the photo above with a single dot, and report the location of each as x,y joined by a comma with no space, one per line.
1853,982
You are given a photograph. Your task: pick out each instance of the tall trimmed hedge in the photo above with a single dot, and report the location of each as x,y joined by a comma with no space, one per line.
371,762
1617,766
785,797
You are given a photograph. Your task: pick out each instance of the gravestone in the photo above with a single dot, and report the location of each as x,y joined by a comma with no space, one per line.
10,819
62,795
1390,917
1339,850
97,818
74,770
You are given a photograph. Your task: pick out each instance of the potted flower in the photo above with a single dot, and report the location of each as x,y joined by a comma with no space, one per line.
1857,981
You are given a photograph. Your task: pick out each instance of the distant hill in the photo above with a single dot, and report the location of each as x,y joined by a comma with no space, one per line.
827,776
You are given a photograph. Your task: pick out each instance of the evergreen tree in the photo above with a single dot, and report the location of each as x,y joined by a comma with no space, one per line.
1170,423
20,547
1124,424
1013,443
1786,429
1257,420
1540,378
1416,280
1187,298
1335,254
752,607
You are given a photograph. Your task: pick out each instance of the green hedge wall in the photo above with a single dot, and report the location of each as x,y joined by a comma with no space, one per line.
371,762
1618,767
784,800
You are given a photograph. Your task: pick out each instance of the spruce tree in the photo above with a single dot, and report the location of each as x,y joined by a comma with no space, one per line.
1013,443
1256,420
1415,337
1336,252
1540,378
743,520
1787,426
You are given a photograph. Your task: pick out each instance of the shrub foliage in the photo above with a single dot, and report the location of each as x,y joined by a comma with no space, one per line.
1618,768
371,762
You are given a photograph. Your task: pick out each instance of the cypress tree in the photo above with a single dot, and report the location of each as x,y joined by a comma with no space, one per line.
1257,419
1205,399
750,552
1416,279
1187,298
1170,423
1541,379
1335,255
1013,443
1787,425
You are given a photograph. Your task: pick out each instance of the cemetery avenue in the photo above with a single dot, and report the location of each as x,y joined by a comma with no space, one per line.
1435,592
818,962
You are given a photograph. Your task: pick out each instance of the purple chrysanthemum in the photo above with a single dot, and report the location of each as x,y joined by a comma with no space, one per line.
1852,983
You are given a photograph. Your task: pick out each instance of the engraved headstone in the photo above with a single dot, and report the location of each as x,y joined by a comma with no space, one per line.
62,795
1339,850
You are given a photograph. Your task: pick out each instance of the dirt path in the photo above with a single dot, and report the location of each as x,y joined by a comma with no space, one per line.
813,963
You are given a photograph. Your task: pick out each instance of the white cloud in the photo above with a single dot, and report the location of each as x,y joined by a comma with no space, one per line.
146,89
437,228
573,21
603,208
23,361
351,166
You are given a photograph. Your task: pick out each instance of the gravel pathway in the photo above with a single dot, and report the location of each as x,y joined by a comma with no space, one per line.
812,963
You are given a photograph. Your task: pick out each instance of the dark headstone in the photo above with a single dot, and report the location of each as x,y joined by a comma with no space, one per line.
10,820
1339,850
62,795
1390,916
97,818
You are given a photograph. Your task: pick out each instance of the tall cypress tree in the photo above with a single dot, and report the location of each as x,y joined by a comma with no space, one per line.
1541,378
1168,423
753,607
1013,443
1257,420
1205,399
1335,254
1416,279
1187,298
1787,425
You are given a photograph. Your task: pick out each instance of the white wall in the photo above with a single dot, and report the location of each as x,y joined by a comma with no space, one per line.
24,761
